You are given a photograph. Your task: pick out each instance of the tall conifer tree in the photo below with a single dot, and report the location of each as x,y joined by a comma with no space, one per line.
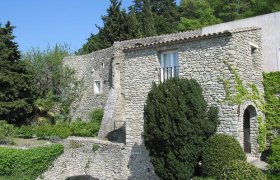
147,20
17,88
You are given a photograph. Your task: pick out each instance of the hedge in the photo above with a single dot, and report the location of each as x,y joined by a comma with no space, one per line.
28,164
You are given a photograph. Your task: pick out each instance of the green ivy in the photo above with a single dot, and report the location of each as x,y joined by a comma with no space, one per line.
272,91
241,95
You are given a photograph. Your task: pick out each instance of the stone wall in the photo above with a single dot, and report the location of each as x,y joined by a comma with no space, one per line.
90,68
270,25
203,60
132,66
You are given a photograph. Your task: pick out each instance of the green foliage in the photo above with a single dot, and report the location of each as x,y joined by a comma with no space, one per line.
237,169
84,129
274,160
57,84
238,94
17,88
177,122
217,151
272,90
27,164
96,115
200,15
61,130
95,147
25,132
6,133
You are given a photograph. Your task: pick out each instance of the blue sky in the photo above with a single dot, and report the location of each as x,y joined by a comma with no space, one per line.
40,23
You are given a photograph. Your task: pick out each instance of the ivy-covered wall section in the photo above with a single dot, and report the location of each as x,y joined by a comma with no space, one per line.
272,96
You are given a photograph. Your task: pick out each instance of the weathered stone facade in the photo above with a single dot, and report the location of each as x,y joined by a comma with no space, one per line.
135,66
91,68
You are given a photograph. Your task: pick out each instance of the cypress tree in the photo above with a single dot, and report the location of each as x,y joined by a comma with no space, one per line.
17,88
147,20
166,15
177,123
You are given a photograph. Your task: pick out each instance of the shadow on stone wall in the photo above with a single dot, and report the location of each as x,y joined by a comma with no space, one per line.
117,135
139,164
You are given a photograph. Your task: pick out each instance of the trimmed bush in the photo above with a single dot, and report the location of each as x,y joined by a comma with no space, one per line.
27,164
238,169
6,133
177,123
274,160
217,151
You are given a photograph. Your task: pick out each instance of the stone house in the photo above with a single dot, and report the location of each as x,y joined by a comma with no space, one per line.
120,77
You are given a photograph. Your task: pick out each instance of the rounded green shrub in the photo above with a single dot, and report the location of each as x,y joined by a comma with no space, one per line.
274,160
217,151
237,169
177,123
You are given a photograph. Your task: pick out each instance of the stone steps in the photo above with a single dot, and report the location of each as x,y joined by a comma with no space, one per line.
256,162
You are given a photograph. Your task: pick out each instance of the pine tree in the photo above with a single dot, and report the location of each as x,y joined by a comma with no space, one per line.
17,88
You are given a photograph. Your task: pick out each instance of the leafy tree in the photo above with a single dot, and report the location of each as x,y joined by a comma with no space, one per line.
200,14
57,84
177,123
17,88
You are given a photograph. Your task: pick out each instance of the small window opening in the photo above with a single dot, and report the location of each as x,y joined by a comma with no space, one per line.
253,49
102,65
97,87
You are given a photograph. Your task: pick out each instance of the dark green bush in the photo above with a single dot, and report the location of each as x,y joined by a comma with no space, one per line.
6,133
217,151
274,160
25,132
27,164
177,123
237,169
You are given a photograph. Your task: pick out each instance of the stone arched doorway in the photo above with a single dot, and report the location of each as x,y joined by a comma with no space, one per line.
248,117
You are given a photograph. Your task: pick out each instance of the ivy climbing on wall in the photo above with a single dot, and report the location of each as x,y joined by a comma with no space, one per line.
272,96
237,93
